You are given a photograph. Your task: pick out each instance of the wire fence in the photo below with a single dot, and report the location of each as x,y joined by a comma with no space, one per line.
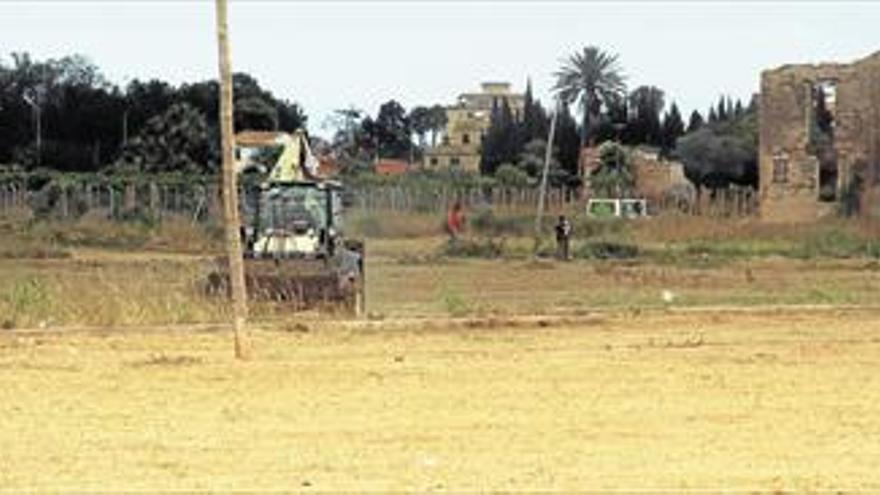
201,200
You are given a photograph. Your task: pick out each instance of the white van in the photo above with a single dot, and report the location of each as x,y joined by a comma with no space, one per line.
621,208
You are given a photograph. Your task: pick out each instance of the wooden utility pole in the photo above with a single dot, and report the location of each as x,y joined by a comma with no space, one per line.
542,193
230,190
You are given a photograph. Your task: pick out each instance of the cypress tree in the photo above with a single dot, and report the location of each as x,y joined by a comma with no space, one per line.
721,114
738,109
567,142
713,117
673,128
696,121
502,139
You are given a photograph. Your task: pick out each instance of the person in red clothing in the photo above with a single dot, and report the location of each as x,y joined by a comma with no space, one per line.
455,221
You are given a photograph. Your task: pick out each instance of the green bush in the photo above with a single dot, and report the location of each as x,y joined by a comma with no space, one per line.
586,227
836,243
607,250
487,223
480,248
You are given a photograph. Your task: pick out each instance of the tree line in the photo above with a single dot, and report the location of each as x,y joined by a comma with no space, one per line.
88,124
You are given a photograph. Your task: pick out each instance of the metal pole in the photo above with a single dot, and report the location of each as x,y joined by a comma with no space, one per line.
543,191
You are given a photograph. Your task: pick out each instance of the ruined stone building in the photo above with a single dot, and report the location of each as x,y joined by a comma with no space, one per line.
819,137
466,124
655,180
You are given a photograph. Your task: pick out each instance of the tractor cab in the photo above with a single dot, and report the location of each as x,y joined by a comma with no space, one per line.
293,219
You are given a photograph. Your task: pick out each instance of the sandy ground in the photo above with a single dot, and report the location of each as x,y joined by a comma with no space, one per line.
652,401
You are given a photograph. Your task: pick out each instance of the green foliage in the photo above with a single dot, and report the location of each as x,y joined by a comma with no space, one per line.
614,177
253,113
509,175
86,120
390,131
592,78
695,122
836,243
722,153
646,104
531,160
673,128
424,180
567,143
502,143
421,122
178,140
586,227
486,223
456,304
604,250
475,248
535,123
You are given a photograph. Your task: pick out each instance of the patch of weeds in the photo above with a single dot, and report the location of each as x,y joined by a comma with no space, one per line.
487,223
587,227
162,359
27,299
604,250
418,259
836,243
455,304
475,248
31,251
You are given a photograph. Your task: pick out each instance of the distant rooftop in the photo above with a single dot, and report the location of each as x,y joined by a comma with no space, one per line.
258,138
495,87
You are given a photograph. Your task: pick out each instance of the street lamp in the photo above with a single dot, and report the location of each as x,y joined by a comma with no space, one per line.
32,99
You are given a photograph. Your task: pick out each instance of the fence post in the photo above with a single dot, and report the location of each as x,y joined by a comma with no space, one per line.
155,211
65,208
112,202
129,197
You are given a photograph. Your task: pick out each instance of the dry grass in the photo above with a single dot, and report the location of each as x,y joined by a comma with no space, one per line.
402,286
39,294
677,228
697,402
134,274
406,278
394,224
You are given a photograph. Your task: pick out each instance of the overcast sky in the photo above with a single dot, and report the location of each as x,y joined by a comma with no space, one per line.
332,54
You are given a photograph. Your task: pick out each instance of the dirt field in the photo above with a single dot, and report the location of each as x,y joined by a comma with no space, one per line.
787,401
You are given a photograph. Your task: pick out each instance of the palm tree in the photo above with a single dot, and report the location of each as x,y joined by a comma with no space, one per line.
592,78
230,189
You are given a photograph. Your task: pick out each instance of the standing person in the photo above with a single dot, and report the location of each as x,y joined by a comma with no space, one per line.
563,237
455,221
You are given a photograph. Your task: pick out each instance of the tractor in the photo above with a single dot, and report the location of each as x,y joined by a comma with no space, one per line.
293,235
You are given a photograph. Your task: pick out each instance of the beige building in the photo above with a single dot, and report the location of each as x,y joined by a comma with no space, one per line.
466,124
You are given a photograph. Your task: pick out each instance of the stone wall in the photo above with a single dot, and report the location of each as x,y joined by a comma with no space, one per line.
789,165
655,179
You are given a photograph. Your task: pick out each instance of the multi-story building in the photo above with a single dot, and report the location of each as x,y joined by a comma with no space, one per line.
466,124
